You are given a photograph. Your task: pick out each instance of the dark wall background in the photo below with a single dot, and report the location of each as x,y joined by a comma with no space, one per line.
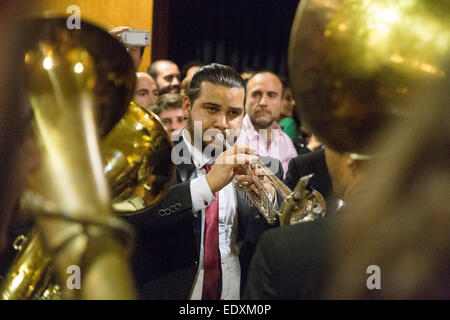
245,34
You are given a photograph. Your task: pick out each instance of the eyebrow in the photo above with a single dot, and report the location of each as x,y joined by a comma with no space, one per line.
211,104
236,108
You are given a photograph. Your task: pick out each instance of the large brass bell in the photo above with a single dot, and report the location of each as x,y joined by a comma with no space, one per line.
355,66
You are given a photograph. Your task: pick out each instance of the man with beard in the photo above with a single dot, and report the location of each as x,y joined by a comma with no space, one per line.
260,129
198,241
167,76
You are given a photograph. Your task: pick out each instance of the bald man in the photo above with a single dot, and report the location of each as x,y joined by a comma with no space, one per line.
260,129
146,92
167,76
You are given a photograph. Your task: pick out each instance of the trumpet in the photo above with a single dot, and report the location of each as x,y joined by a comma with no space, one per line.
299,205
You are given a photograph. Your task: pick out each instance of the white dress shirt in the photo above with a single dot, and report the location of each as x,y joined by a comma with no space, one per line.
229,254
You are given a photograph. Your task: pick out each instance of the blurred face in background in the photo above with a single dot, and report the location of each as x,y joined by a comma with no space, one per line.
168,79
190,72
173,120
288,104
264,99
146,92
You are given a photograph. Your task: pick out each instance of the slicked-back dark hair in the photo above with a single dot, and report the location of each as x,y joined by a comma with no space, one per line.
214,73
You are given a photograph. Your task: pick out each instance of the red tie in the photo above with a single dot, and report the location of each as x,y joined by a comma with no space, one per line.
212,277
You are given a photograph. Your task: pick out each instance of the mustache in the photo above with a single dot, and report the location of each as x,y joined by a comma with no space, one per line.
262,110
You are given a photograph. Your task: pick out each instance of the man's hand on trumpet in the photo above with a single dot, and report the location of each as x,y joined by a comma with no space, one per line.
248,180
229,164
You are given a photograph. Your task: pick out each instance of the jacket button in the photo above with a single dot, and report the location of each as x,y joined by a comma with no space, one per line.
194,264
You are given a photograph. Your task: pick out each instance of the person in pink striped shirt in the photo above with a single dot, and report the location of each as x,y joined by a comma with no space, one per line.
260,129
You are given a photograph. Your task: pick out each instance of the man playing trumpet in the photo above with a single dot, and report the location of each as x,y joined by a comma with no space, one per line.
197,243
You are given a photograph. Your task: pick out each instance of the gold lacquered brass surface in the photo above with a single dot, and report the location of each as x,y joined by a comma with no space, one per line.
355,65
303,204
67,88
32,275
138,166
110,64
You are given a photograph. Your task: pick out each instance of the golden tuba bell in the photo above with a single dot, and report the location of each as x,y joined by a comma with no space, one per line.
79,84
137,157
358,66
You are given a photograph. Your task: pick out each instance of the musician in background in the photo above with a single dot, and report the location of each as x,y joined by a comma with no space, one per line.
169,109
198,241
291,262
146,92
260,129
401,225
167,76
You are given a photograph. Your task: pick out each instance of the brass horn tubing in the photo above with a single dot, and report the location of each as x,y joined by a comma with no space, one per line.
63,101
282,189
28,269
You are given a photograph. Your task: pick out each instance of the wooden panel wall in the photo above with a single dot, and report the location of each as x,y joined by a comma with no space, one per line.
110,14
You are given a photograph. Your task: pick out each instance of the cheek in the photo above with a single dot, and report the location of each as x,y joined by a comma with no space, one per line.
276,107
200,120
161,82
235,124
250,105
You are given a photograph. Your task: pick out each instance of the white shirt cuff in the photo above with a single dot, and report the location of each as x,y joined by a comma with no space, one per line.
201,194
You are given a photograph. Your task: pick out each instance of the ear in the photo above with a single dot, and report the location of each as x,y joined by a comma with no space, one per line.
352,164
186,106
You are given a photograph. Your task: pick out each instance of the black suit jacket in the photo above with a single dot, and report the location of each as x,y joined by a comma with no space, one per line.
292,262
168,236
312,162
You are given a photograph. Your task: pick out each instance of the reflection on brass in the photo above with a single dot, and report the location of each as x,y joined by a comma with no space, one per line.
79,83
356,65
33,272
137,156
301,205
